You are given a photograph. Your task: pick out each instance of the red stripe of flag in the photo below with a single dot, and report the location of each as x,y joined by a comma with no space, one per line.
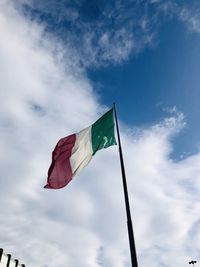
60,171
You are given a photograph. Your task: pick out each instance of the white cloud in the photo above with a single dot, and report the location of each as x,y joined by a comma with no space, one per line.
191,18
100,32
187,13
83,224
109,32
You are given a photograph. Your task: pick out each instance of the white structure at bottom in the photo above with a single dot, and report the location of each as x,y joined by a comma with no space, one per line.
7,261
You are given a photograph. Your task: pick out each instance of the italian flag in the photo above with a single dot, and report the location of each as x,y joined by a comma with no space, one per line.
74,152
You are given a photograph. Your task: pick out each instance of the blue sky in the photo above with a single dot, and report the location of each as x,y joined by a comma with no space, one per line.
158,78
158,67
62,64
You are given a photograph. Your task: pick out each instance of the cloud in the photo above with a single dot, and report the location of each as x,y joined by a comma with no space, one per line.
191,17
84,224
100,32
186,13
108,32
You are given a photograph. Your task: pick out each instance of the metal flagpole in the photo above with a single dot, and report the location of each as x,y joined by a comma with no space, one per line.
129,221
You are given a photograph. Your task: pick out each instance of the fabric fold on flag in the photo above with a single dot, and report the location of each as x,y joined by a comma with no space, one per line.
74,152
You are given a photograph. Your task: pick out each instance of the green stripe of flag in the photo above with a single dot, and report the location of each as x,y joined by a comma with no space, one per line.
103,132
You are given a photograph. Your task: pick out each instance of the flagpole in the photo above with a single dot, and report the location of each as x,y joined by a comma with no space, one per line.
129,221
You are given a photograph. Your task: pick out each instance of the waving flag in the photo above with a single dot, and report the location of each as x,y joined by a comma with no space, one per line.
74,152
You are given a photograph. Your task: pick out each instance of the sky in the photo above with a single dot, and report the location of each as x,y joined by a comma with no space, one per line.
62,65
